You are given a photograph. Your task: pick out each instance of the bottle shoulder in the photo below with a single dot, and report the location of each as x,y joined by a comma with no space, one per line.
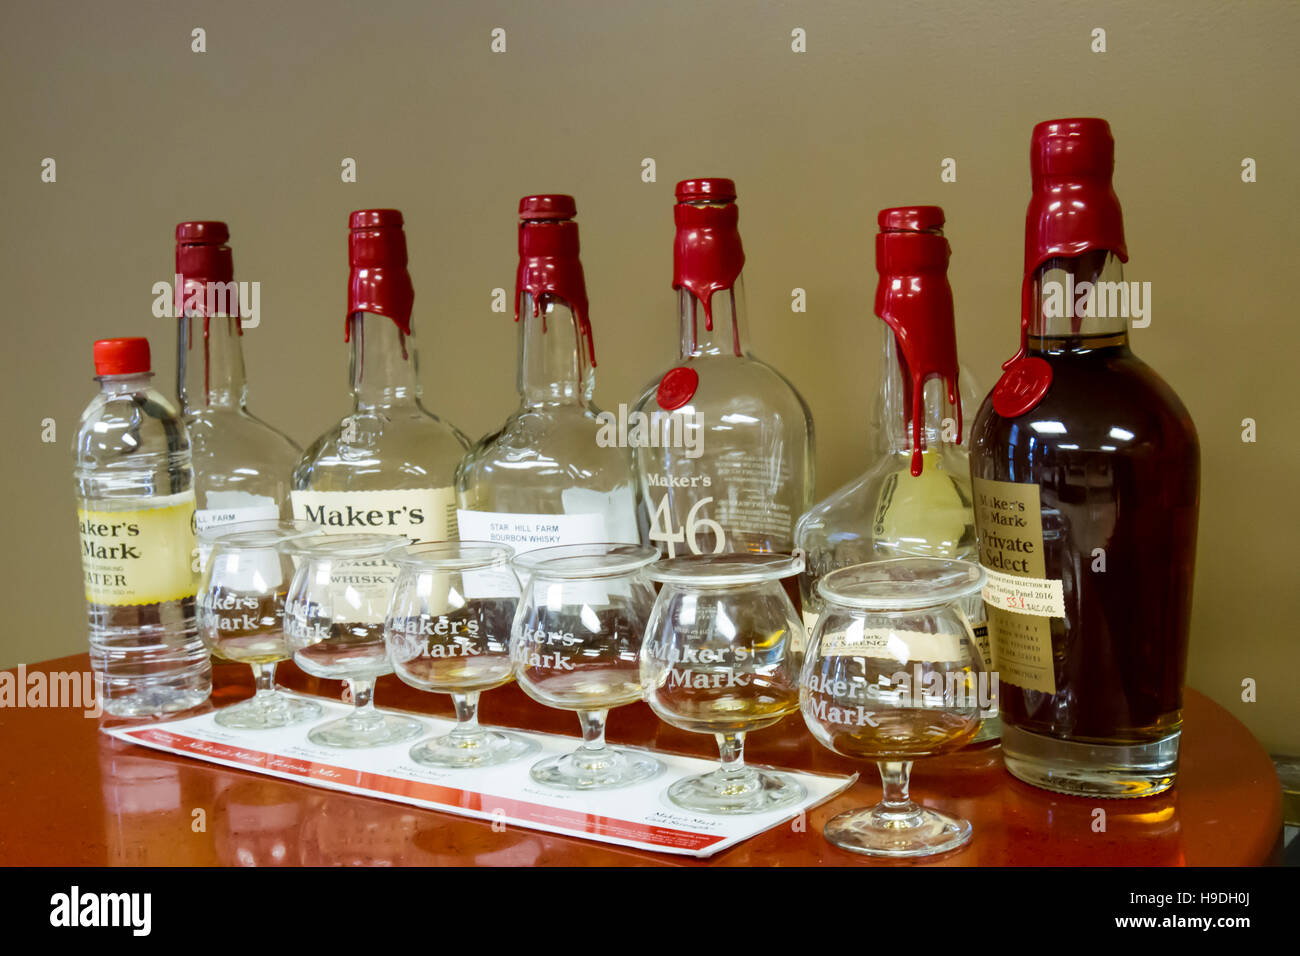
568,444
377,449
125,429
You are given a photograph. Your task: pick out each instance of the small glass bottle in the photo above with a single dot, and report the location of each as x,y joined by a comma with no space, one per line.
135,514
555,473
388,467
242,466
724,442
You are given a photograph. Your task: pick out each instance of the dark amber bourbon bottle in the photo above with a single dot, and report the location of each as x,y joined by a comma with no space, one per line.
1085,471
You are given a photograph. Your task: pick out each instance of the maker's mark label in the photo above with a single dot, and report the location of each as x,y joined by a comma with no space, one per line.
138,551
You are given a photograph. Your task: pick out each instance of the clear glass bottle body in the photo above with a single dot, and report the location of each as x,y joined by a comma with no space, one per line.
1108,464
732,469
242,465
135,499
551,475
389,467
887,512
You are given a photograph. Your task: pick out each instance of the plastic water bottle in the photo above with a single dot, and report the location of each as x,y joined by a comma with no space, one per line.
135,513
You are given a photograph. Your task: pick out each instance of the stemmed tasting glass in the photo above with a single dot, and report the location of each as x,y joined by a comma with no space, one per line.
448,631
574,644
241,613
893,673
721,657
334,617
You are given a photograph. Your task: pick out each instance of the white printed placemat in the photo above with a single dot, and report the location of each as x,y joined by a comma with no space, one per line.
639,816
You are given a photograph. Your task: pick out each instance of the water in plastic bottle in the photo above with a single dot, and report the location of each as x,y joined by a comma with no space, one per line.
135,513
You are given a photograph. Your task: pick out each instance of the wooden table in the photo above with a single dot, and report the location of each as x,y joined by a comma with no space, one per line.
70,795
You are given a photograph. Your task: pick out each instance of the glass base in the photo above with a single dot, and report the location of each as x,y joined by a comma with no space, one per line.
596,769
909,830
486,749
1091,770
375,729
732,792
267,711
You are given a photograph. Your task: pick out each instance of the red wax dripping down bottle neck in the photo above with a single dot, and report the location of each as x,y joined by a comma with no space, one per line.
203,259
1073,210
707,254
549,259
378,281
914,298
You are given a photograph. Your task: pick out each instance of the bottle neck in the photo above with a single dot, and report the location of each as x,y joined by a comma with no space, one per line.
894,405
385,370
727,335
124,384
1079,303
554,368
209,364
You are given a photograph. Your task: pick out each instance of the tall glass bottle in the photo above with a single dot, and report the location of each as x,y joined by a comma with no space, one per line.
389,466
1085,468
724,443
915,500
242,466
555,472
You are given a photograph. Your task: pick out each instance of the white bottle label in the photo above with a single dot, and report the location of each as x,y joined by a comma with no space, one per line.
423,514
231,508
529,532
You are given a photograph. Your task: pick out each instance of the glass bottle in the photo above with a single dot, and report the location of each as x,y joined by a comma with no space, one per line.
915,500
135,516
1085,469
242,466
555,473
724,443
388,467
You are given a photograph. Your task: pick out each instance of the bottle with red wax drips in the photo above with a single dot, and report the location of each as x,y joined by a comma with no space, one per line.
1085,468
915,499
554,473
724,442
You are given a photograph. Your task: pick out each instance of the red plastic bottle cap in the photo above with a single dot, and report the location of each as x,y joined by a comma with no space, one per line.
121,356
706,190
677,387
203,232
550,206
375,218
1022,386
911,219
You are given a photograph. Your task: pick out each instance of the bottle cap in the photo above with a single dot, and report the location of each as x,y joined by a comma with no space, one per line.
707,254
547,207
914,299
549,261
122,356
911,219
379,281
706,190
203,257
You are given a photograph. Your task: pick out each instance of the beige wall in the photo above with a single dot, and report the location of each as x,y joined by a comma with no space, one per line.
146,133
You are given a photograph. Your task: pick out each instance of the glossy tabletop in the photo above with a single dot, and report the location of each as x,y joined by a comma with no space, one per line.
70,795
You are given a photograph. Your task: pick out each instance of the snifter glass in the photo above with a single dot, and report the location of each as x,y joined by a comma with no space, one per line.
241,613
721,657
334,618
892,673
448,631
574,644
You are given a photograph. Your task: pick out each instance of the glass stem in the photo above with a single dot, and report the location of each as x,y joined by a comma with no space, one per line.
466,715
363,701
894,776
264,679
731,748
593,730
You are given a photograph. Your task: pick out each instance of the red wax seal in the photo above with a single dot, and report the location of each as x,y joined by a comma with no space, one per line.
707,255
549,263
1022,386
121,356
378,281
914,298
202,256
677,387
